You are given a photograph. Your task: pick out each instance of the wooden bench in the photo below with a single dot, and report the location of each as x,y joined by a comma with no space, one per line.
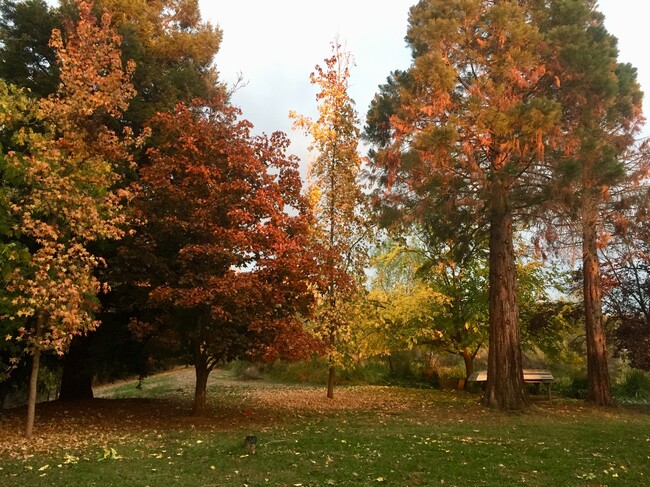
531,376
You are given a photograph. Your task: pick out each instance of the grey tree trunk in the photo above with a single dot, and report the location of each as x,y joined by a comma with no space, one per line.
33,379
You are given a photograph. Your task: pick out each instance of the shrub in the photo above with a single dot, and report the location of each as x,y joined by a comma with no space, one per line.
635,387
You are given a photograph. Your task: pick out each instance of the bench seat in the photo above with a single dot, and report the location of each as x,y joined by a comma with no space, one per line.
531,376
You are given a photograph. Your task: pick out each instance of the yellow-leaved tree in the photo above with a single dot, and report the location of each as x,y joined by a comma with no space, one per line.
337,201
64,174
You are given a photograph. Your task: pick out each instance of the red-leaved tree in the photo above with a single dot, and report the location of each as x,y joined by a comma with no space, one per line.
223,250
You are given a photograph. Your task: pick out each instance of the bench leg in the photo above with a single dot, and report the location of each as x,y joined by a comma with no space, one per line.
548,387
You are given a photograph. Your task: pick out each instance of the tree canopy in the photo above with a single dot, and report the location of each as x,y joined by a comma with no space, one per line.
224,239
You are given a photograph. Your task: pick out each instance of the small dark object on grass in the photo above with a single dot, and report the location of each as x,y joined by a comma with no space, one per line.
250,442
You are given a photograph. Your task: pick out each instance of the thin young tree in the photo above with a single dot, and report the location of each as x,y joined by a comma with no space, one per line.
336,195
64,177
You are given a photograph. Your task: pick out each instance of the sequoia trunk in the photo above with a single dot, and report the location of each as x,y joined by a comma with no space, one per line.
505,381
598,382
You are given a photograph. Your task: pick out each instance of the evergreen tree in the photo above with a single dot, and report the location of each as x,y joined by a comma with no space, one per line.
26,58
602,113
469,119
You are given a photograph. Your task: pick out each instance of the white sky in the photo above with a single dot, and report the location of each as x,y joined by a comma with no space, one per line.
276,44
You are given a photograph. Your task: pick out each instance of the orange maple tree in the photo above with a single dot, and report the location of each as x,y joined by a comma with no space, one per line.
223,253
65,175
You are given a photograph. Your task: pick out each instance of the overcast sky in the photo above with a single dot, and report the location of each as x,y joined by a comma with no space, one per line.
276,44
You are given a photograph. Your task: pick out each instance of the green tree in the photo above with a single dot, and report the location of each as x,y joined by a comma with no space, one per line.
426,297
469,119
336,197
26,58
63,199
19,111
434,302
602,113
173,49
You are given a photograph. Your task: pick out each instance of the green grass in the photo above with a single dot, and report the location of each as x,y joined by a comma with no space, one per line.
445,439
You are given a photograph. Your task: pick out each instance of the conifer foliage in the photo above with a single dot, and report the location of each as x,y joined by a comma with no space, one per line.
468,119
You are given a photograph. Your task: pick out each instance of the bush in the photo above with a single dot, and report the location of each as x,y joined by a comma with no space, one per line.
408,368
574,387
312,371
635,387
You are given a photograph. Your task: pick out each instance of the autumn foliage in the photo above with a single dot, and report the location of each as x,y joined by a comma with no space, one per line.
64,176
224,238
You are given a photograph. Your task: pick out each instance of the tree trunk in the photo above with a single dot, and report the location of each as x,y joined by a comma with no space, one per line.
33,379
330,382
468,358
200,391
598,382
505,382
77,378
201,387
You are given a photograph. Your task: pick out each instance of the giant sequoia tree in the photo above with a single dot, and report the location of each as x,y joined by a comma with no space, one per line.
601,102
468,119
223,248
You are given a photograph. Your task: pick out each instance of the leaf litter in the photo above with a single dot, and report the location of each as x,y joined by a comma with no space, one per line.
77,427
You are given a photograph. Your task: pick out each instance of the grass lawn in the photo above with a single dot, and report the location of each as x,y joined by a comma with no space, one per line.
365,436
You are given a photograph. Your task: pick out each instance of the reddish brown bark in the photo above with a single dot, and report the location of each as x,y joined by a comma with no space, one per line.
505,383
598,381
